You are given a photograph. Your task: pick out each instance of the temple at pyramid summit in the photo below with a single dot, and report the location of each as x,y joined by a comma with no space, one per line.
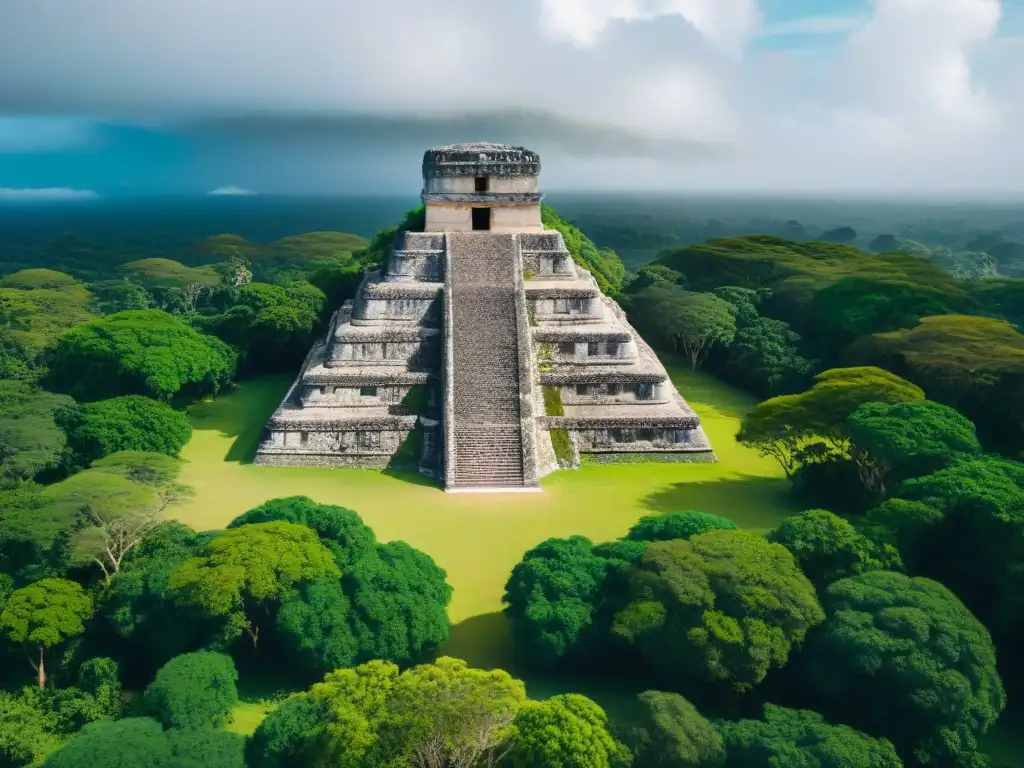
481,352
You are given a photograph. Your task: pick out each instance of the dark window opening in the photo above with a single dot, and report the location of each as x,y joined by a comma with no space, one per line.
481,218
645,392
368,391
593,349
582,390
576,306
567,348
646,434
614,389
481,183
612,348
369,440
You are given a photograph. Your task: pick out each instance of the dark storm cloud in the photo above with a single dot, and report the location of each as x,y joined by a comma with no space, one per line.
541,130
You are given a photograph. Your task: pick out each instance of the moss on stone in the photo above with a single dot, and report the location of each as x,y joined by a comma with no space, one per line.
553,403
563,447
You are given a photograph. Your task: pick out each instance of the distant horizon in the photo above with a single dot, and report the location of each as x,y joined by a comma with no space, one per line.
250,197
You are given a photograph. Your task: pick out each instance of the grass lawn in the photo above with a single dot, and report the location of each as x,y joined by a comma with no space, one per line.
478,538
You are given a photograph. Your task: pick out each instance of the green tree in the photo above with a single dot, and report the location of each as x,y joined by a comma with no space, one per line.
31,443
112,505
828,548
901,440
295,735
113,296
692,323
567,731
34,542
26,733
246,570
140,608
724,606
390,603
923,668
36,307
765,358
128,423
445,713
664,730
790,737
973,364
140,352
677,525
964,527
143,743
193,691
783,426
555,597
340,529
435,714
46,614
270,324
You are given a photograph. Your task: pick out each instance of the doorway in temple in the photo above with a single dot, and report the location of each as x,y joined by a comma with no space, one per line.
481,218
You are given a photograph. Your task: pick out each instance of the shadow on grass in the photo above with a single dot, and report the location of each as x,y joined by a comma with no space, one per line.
483,641
757,503
411,476
241,413
702,390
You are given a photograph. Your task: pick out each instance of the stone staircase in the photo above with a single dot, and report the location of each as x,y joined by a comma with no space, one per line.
486,424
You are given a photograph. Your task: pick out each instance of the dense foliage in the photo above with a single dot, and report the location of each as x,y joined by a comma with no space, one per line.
724,607
923,668
390,601
32,445
127,423
802,738
139,352
193,691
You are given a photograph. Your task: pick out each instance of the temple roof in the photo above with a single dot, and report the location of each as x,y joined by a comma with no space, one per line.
480,159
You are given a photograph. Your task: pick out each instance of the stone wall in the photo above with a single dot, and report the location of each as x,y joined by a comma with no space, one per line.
421,354
516,218
415,266
637,439
527,371
367,397
447,358
444,218
467,185
597,352
615,393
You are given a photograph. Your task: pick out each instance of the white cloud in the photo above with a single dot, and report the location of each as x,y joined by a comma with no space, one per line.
45,194
230,191
917,94
728,24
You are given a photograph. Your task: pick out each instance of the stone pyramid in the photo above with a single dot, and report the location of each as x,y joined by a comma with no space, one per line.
481,351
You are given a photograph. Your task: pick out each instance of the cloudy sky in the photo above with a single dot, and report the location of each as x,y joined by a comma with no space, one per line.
920,97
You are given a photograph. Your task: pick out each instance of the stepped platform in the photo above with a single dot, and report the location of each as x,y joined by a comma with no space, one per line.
484,435
441,356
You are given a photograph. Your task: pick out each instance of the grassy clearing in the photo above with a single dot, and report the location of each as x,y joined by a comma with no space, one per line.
478,539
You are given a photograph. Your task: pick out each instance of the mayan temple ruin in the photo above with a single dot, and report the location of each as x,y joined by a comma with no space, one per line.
481,352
